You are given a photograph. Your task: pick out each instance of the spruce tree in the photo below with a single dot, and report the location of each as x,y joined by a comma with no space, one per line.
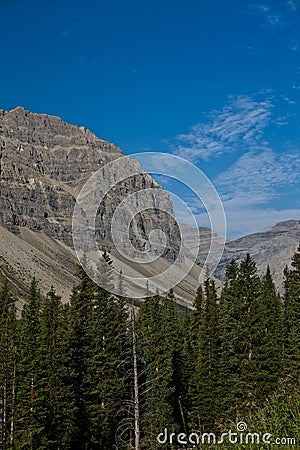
157,345
97,338
267,323
29,432
238,337
104,274
184,365
203,384
8,342
106,369
248,290
78,351
292,320
55,401
228,364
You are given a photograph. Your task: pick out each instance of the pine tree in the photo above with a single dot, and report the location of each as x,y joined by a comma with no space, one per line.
55,401
238,337
106,369
292,320
203,384
8,344
267,323
157,345
29,431
78,350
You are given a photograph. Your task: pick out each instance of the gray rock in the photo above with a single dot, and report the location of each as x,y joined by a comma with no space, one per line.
274,246
44,162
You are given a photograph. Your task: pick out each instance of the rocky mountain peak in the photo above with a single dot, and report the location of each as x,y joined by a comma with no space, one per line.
48,130
44,162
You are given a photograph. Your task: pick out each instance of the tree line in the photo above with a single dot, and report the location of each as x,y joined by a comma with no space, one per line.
99,373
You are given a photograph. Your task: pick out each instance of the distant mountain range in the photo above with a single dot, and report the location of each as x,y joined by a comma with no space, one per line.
274,246
44,162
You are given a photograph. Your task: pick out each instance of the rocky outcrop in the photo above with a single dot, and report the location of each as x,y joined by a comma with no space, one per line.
44,162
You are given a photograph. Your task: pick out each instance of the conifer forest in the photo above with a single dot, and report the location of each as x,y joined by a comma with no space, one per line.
102,372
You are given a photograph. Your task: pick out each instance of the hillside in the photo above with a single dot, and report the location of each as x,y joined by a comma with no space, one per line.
44,163
274,246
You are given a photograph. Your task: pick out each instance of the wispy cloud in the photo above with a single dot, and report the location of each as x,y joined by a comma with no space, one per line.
255,177
293,5
248,188
289,101
255,180
271,17
238,125
261,175
280,15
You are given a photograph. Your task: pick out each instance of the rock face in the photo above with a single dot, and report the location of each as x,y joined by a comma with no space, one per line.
44,162
274,246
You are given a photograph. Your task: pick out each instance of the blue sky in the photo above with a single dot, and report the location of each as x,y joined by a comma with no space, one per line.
215,82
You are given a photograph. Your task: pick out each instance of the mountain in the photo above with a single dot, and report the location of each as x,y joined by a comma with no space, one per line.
44,163
274,246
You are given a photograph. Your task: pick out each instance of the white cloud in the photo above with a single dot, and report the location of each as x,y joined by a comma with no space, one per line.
237,126
280,15
293,5
246,189
259,175
255,177
254,180
289,101
243,219
271,15
282,18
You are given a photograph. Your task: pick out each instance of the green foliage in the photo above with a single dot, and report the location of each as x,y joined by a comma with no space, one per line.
8,344
267,324
205,348
29,431
292,320
54,396
157,330
66,378
105,373
183,369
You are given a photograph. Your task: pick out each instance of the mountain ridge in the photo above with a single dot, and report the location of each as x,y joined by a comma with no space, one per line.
44,162
273,246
